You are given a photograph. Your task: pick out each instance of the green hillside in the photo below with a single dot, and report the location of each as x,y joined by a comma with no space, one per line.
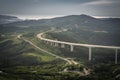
21,60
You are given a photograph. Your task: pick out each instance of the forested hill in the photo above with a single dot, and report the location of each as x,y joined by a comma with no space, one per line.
71,21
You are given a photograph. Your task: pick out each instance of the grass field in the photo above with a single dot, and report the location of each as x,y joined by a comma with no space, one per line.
40,56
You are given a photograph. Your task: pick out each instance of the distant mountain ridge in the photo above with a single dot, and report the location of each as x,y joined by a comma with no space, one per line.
8,19
70,21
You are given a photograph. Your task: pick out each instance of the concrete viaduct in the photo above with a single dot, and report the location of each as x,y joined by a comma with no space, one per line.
89,46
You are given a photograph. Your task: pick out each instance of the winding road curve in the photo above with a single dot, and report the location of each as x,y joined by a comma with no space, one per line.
70,62
76,44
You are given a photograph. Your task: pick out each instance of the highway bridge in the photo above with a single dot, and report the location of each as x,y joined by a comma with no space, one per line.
89,46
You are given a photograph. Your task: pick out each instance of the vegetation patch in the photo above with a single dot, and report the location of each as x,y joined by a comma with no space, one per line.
40,56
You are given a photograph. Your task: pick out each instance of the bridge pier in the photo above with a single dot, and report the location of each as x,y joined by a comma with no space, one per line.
52,44
56,44
90,53
71,48
62,45
116,54
47,42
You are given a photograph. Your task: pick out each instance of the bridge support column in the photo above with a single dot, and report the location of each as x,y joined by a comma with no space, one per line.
47,42
71,48
56,44
90,53
116,54
52,44
62,45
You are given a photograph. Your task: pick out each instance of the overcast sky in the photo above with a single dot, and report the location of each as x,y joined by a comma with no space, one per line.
52,8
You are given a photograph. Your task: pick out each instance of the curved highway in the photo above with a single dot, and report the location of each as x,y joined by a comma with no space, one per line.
76,44
70,62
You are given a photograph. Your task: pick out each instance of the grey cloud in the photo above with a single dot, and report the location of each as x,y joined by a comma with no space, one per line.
60,7
102,2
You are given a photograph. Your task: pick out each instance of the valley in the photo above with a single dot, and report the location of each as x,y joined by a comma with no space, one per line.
28,54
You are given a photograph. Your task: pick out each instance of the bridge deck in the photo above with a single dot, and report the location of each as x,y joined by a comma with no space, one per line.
77,44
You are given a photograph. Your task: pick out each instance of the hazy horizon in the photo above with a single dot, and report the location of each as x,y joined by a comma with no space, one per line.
33,17
54,16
